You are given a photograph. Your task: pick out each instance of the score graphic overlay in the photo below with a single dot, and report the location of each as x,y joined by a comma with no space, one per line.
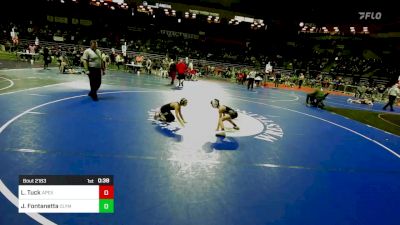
66,194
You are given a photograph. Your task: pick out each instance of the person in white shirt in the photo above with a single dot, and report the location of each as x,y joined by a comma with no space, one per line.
250,79
119,60
268,68
393,93
94,67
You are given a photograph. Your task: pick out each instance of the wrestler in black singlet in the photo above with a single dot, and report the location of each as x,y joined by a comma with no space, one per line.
231,112
166,111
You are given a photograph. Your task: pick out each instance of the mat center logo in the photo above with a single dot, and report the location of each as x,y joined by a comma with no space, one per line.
260,127
270,132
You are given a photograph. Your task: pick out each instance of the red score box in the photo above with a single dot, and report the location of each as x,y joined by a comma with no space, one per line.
106,191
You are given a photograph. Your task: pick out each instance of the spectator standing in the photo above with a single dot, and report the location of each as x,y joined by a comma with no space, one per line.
277,79
172,72
301,79
46,58
381,91
94,67
148,65
250,79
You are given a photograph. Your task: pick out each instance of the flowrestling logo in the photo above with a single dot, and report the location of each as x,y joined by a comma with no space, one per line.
260,127
370,15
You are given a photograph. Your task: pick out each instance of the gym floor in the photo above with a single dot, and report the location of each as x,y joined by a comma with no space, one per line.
288,163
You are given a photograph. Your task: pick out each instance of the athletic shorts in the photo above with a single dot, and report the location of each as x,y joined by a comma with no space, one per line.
169,117
181,76
233,114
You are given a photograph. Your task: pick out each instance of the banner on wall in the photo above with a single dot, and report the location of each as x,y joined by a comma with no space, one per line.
61,19
86,22
75,21
58,38
50,18
170,33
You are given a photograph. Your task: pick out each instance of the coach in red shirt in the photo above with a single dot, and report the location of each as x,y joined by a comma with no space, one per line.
181,69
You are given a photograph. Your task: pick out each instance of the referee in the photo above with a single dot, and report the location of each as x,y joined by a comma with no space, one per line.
394,91
94,67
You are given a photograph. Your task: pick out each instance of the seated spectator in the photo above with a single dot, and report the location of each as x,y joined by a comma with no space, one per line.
139,59
360,91
63,64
